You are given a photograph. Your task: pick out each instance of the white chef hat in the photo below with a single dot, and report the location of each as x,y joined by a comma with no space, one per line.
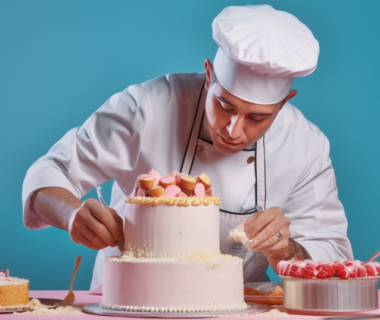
261,50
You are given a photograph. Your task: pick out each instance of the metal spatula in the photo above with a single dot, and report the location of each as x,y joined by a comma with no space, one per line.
120,244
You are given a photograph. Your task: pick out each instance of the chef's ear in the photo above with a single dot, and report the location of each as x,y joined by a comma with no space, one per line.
208,69
291,94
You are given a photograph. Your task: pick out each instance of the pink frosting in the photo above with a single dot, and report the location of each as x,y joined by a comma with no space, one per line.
157,177
141,192
4,275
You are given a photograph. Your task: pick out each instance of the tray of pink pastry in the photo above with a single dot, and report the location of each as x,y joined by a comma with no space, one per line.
270,293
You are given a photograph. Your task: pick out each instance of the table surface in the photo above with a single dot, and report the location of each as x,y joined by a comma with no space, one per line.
83,297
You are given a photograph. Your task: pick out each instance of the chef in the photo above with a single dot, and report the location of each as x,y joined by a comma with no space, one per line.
269,165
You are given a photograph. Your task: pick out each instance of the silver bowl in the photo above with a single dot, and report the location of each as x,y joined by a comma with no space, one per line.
325,296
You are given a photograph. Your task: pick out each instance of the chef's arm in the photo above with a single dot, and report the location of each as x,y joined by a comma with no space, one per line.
55,206
88,222
294,251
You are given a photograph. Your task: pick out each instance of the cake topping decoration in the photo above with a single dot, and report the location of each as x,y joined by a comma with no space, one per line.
174,189
156,192
4,275
309,269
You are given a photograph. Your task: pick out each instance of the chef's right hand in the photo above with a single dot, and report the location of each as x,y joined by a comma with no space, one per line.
95,226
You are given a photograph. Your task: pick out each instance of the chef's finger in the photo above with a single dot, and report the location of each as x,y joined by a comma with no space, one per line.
250,221
100,230
282,235
79,238
260,223
270,231
98,239
106,217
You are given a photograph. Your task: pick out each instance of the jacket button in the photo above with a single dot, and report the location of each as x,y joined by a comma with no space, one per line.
199,149
250,159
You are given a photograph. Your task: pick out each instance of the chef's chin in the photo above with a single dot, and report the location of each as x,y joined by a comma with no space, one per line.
222,147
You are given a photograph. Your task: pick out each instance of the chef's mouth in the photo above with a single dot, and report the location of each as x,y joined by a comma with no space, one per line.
230,144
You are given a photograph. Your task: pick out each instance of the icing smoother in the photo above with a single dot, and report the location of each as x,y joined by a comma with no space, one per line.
165,231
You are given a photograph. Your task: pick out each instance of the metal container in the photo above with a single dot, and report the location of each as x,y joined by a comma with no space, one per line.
326,296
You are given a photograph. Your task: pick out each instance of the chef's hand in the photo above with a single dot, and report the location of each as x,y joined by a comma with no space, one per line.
95,226
268,230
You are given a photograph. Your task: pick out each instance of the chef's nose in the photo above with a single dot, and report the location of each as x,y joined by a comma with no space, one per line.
236,126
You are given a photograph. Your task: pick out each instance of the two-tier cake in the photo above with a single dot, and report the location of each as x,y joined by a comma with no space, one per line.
172,260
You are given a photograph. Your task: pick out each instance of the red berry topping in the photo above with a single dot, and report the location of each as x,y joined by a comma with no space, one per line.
326,271
296,269
309,270
371,269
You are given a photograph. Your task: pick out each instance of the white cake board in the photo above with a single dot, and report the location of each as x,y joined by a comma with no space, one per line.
94,308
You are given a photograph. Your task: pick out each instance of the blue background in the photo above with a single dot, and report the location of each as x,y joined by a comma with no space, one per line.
60,60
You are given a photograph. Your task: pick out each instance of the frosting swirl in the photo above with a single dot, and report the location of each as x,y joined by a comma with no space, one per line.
194,201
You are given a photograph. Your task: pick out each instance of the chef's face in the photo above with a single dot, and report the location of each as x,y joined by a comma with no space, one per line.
235,124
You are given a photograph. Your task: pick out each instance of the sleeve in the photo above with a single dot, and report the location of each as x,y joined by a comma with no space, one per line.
106,146
318,221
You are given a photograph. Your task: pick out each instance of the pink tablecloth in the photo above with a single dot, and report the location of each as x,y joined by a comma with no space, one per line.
83,297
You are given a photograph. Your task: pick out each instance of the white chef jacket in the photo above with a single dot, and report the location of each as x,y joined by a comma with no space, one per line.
148,126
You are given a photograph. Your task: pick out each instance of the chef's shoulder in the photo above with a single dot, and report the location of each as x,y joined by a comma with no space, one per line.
299,134
175,89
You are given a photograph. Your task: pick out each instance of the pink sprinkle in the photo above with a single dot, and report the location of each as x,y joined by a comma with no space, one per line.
172,191
199,190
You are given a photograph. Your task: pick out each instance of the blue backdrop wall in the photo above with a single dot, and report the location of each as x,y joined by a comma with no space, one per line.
60,60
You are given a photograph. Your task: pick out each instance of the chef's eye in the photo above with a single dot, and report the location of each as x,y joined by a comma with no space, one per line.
257,119
227,107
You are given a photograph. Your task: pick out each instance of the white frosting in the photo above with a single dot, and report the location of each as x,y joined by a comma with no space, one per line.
172,263
12,281
241,236
199,285
164,231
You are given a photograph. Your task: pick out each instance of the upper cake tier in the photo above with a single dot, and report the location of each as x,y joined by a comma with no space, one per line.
175,223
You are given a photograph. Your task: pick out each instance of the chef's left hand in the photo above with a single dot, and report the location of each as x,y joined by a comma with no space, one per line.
269,230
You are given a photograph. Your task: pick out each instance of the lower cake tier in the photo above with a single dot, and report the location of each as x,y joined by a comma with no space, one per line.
14,293
173,285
